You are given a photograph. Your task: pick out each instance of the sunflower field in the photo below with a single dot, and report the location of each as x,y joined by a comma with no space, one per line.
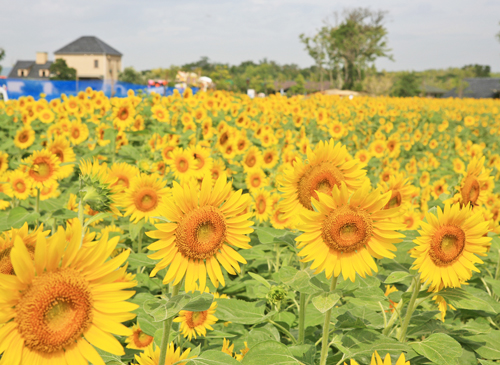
216,229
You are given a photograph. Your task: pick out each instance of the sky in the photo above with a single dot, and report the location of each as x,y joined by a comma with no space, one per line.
159,33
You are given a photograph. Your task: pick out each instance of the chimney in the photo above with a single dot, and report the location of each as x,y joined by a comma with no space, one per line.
41,58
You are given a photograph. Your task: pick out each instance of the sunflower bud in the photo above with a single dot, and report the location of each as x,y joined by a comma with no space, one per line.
276,295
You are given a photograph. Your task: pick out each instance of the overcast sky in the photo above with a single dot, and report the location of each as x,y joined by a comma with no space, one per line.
150,34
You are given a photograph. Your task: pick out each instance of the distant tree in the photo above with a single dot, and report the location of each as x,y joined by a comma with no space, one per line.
2,55
478,70
132,76
377,83
407,84
498,34
299,87
221,78
316,47
59,70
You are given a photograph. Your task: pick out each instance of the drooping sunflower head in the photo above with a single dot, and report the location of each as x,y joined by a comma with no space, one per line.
43,168
401,190
59,304
446,250
145,197
329,165
98,189
346,231
204,225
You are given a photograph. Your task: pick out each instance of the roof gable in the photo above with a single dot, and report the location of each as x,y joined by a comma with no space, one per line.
479,87
32,67
88,45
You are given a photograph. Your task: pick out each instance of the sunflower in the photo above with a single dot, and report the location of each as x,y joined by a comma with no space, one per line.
182,164
329,165
400,188
377,360
476,184
203,161
270,158
78,132
43,168
193,323
151,355
62,149
227,348
204,225
20,184
24,137
256,179
123,173
48,191
218,168
145,197
160,113
99,191
138,340
262,205
345,232
446,250
64,301
46,116
123,115
252,159
4,162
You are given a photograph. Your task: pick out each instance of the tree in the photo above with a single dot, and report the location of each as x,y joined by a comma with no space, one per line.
498,34
478,70
352,45
299,87
132,76
59,70
407,84
2,55
316,47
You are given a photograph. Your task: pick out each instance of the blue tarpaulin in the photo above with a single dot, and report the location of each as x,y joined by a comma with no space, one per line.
53,89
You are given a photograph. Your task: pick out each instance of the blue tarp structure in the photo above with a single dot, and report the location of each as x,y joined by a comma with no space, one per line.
53,89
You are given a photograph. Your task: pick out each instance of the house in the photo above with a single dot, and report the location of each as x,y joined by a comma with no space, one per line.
433,91
38,69
92,58
477,88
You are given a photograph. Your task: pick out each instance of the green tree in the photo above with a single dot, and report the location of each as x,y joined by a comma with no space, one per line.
299,87
407,85
59,70
478,70
221,77
132,76
2,56
316,47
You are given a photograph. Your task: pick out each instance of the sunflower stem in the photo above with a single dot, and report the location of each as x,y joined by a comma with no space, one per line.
302,312
167,325
497,272
37,203
411,308
139,247
277,249
326,327
285,331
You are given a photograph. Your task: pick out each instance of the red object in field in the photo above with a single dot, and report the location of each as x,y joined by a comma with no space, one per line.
156,83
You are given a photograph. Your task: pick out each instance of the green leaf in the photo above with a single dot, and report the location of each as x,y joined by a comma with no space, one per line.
267,234
140,259
147,325
213,357
199,303
156,308
130,152
269,353
134,229
64,214
486,346
239,311
325,301
18,216
109,358
459,298
439,348
96,218
260,279
396,277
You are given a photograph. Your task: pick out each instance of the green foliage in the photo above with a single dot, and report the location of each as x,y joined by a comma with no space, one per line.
59,70
2,56
479,70
408,84
129,74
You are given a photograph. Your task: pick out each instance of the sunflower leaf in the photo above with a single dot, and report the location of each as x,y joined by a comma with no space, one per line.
439,348
213,357
260,279
268,234
18,216
396,277
269,353
459,298
325,301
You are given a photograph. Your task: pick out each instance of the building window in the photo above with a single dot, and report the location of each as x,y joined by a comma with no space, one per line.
44,73
96,63
22,73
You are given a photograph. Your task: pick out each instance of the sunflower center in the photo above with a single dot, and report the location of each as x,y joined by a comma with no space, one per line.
20,187
261,205
23,137
123,113
146,200
54,311
470,191
347,229
255,181
268,158
447,245
40,170
141,339
200,161
59,154
323,178
182,165
195,319
394,201
201,233
250,161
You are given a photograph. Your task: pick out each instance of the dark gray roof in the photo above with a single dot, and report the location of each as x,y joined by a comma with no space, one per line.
88,45
478,88
33,68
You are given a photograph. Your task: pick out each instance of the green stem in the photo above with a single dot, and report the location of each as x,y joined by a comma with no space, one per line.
497,272
167,325
285,331
139,247
302,312
37,203
326,327
80,212
277,249
411,308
